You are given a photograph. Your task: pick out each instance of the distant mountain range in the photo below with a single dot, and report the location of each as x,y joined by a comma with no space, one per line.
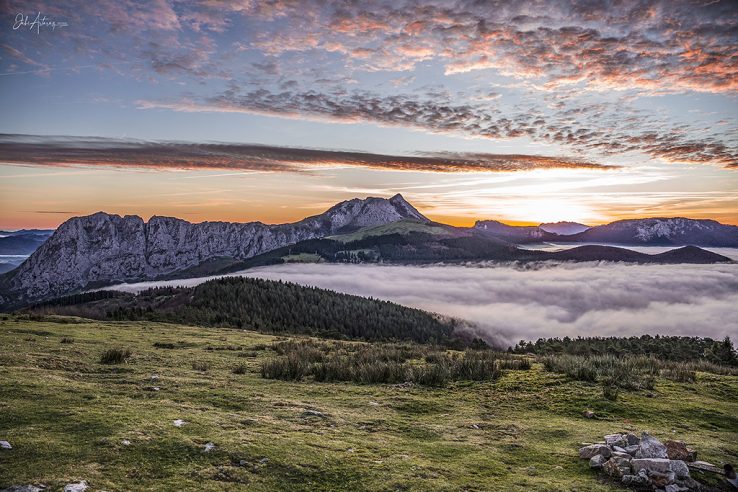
23,242
101,249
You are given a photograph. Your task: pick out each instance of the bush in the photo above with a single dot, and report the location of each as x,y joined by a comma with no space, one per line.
239,369
201,366
67,340
115,356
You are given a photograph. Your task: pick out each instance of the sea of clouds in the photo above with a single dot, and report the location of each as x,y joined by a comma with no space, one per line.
507,303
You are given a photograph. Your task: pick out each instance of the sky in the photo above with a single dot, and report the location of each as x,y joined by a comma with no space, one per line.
526,112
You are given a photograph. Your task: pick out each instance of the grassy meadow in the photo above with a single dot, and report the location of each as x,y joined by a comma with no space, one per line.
78,402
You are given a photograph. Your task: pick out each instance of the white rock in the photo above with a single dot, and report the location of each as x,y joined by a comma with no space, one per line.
125,442
76,487
650,447
179,423
209,447
588,452
5,445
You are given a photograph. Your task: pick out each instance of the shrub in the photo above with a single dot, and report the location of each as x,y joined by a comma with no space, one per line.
239,369
289,368
164,345
67,340
202,366
115,356
385,363
681,373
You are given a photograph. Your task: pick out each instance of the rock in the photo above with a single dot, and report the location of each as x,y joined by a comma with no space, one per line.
618,454
597,461
661,465
76,487
5,445
661,480
179,423
631,450
617,467
154,377
588,452
152,388
680,468
616,440
650,447
588,414
264,461
619,449
635,480
313,413
23,488
532,471
678,450
632,439
209,447
675,488
125,442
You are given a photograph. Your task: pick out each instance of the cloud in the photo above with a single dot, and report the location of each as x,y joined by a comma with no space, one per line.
507,303
597,128
69,151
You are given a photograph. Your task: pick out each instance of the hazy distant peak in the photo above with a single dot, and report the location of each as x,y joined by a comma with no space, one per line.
564,228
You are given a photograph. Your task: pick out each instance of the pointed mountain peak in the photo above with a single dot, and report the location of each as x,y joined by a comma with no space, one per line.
405,209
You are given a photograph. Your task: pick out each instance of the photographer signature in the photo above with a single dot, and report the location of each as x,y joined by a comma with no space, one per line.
37,23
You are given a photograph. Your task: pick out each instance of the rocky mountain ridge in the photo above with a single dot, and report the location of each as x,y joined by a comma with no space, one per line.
102,248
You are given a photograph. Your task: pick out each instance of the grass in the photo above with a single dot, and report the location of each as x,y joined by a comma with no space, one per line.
405,226
115,356
66,416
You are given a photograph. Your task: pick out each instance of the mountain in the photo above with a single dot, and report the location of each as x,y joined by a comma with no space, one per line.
102,248
563,228
406,242
677,231
514,234
21,244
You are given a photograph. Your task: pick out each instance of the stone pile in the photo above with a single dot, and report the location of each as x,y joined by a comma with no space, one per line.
643,463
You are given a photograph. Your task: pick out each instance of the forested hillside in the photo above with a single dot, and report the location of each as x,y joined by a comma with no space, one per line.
262,305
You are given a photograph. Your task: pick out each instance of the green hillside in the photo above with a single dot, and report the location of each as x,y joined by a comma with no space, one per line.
69,418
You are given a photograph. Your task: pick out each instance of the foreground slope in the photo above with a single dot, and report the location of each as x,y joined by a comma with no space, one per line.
67,417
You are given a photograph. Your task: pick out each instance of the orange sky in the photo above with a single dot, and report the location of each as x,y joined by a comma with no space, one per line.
43,197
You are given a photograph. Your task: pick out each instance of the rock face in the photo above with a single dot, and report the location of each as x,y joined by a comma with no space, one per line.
102,248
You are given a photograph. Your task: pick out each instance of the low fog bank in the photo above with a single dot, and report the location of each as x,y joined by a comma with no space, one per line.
507,303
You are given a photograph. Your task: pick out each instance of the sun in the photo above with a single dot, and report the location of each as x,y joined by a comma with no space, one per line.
548,210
